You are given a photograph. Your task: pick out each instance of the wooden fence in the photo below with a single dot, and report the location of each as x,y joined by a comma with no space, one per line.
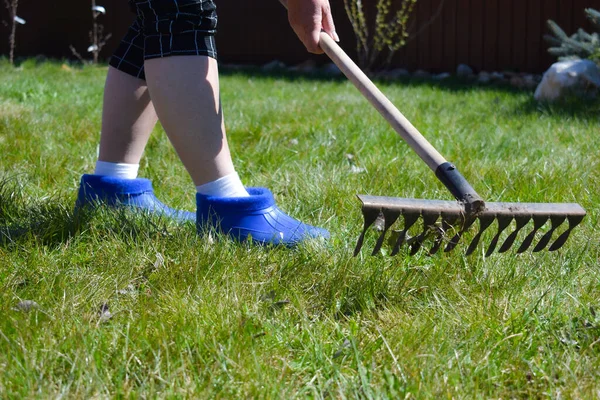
486,34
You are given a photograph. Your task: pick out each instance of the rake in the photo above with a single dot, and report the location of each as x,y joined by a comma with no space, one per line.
442,219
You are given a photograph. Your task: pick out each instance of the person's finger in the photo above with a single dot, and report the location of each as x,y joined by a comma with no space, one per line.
328,25
310,39
313,37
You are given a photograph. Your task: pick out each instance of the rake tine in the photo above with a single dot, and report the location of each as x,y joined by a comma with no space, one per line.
370,216
456,238
555,220
538,222
447,223
389,217
409,221
573,222
521,222
484,223
428,221
503,223
439,236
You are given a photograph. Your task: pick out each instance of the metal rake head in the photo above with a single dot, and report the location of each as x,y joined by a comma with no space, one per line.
445,222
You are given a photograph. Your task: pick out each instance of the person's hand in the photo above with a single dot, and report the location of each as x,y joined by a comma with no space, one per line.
308,18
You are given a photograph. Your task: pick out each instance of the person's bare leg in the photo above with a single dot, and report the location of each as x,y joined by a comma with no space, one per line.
128,118
185,94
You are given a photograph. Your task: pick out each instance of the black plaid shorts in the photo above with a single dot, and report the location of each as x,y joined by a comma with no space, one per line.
165,28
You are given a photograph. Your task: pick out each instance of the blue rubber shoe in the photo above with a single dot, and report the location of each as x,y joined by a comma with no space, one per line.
255,216
117,192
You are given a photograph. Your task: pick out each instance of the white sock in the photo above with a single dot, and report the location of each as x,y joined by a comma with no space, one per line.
117,170
227,186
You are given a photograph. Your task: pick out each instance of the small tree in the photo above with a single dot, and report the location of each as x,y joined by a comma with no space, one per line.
11,6
97,37
377,41
579,45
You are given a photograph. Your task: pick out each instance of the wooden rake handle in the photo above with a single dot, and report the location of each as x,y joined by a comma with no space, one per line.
445,171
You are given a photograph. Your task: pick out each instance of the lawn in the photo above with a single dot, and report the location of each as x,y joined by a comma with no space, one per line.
128,305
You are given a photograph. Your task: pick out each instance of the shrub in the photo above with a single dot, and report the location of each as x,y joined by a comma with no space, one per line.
581,44
377,41
12,6
97,36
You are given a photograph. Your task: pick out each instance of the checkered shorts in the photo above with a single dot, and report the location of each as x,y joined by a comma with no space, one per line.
165,28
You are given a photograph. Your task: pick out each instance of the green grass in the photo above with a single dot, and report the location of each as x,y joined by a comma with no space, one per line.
197,316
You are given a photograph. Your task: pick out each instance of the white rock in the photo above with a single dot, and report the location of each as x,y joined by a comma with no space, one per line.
422,74
104,314
26,306
355,169
331,69
565,75
517,81
273,65
442,76
484,77
307,66
497,76
464,71
398,73
531,81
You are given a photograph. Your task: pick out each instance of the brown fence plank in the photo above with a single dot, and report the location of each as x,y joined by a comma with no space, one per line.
519,43
505,35
423,34
490,38
477,22
565,15
449,23
534,34
411,51
437,35
463,32
579,18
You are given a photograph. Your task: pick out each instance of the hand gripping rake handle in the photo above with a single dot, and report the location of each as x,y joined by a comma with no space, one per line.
444,170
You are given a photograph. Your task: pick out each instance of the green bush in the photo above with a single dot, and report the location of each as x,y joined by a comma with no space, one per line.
580,45
378,40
